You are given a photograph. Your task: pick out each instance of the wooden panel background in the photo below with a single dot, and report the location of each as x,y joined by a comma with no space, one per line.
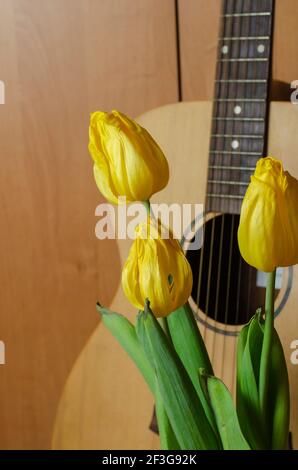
61,59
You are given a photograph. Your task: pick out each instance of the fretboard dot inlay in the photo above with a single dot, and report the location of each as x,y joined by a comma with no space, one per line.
235,144
225,49
261,48
237,110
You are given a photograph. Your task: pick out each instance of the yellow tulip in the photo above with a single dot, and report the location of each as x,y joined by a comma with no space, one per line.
127,160
268,230
157,269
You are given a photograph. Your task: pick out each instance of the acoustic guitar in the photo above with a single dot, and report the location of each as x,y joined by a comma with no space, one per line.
105,402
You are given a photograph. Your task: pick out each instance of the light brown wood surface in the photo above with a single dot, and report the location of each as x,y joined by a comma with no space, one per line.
60,60
104,404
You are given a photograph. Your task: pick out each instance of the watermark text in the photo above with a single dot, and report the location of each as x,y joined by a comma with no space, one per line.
2,92
180,221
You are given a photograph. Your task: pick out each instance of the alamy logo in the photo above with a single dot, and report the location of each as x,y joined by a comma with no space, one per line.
294,354
2,353
185,221
294,94
2,92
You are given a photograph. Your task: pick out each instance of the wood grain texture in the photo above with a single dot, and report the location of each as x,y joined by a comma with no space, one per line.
199,30
285,66
60,60
199,27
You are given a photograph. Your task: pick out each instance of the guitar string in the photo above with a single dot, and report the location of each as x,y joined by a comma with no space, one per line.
209,274
236,32
202,253
218,282
236,323
227,295
258,32
225,72
199,283
239,271
269,32
227,32
220,70
250,269
233,223
248,33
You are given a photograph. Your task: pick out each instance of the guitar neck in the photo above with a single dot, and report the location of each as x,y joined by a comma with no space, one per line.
240,110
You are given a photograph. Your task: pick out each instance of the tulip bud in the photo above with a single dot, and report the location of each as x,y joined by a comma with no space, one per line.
157,269
127,160
268,230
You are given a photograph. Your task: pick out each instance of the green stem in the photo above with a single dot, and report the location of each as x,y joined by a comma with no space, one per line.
164,324
147,205
267,342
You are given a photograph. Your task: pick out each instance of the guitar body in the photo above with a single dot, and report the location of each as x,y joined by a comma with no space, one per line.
105,403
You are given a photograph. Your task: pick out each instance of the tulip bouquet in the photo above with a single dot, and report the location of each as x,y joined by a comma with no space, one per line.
194,408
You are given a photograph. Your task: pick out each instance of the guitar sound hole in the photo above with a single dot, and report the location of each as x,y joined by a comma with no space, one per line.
224,285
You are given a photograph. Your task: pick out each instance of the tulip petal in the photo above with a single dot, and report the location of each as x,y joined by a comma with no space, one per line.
133,164
268,229
103,182
156,268
291,225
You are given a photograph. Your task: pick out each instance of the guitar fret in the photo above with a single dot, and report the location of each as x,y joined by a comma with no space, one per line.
244,59
247,161
237,15
238,136
245,100
244,38
245,49
230,152
228,196
239,183
241,81
238,126
245,6
233,168
238,119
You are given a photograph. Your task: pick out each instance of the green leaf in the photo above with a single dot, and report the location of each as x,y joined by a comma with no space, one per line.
225,415
248,404
167,436
179,397
279,396
191,349
125,333
188,341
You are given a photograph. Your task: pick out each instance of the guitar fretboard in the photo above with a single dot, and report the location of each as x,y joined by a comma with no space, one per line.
239,123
